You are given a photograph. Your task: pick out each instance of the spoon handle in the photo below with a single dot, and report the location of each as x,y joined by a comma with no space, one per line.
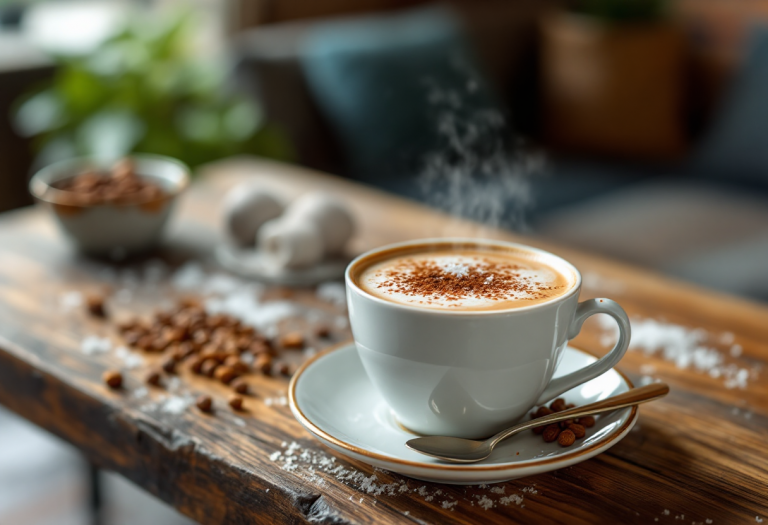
635,396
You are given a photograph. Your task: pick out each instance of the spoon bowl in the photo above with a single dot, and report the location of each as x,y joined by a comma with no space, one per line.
459,450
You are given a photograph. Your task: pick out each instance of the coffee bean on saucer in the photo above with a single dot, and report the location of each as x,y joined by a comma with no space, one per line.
578,430
293,340
551,432
564,424
113,379
95,306
204,403
558,404
541,412
566,438
587,421
236,402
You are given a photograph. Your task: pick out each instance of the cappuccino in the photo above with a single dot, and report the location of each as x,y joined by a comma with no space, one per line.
465,277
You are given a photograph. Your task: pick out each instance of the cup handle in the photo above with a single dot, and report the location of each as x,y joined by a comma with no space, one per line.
584,310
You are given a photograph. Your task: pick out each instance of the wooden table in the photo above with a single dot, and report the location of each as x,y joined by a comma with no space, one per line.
698,456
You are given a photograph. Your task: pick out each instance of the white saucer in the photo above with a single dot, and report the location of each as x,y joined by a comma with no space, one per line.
333,398
255,265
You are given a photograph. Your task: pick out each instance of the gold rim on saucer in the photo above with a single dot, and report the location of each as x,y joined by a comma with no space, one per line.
437,466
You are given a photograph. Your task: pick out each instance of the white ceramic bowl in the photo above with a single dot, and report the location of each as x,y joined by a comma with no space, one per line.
114,230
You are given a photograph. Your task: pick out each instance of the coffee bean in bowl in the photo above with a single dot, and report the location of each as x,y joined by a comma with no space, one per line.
111,208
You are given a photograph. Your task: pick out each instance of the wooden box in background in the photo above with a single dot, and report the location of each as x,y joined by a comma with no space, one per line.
614,90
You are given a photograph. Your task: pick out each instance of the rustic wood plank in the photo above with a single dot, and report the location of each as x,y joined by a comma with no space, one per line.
699,453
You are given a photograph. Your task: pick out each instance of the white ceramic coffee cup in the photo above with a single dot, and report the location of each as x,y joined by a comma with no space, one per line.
472,373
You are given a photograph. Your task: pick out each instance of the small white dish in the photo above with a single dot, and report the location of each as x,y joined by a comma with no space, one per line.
254,264
115,230
333,398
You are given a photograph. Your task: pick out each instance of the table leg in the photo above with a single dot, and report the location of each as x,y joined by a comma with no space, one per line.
94,494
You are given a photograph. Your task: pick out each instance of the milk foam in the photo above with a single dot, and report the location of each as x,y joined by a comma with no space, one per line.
524,281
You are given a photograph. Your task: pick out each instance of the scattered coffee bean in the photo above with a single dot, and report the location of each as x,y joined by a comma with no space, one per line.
225,374
566,438
292,340
587,421
153,378
204,403
259,347
95,306
236,364
169,365
209,366
284,369
240,386
113,379
541,412
322,331
196,364
263,364
564,424
236,402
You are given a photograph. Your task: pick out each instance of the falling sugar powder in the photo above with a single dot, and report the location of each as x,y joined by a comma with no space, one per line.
95,345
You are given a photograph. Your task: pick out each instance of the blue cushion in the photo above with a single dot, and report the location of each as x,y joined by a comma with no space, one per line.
382,82
736,147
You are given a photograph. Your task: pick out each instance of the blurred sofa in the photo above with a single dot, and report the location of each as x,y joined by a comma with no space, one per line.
689,217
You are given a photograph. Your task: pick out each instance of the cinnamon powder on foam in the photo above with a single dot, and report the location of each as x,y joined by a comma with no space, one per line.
482,280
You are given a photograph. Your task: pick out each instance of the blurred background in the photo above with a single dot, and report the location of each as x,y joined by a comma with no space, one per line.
636,129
